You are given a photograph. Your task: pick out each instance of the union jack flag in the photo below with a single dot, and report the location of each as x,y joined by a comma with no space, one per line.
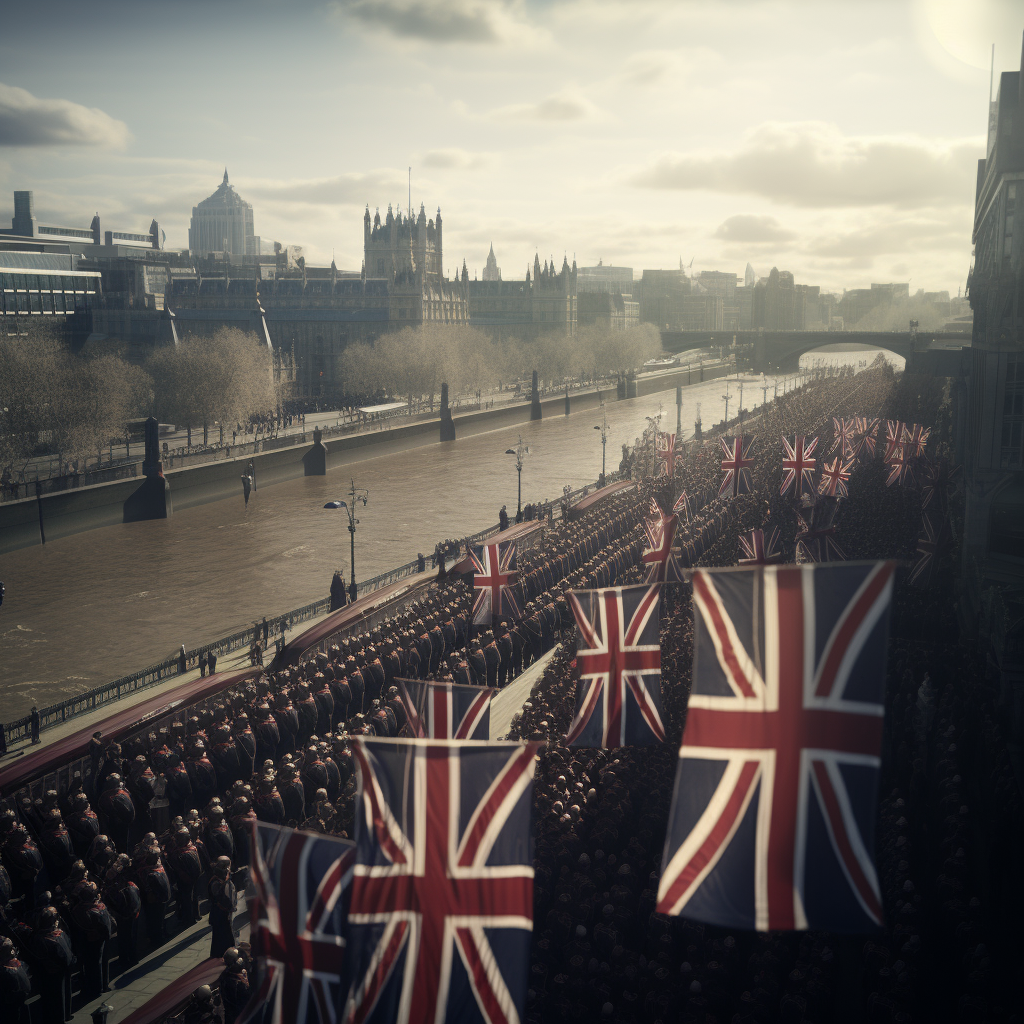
843,434
299,878
772,820
446,711
760,548
494,573
797,465
868,431
657,554
736,473
682,505
901,469
931,546
670,455
915,439
940,482
441,907
618,701
834,477
893,439
815,534
653,508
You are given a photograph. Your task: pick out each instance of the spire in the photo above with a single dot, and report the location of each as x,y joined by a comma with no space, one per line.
225,181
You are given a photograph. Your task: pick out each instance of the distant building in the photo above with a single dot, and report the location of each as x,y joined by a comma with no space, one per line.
223,222
605,279
749,277
492,272
775,303
661,298
719,283
991,435
543,303
605,296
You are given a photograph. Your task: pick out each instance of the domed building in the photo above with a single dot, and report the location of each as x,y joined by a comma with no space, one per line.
223,223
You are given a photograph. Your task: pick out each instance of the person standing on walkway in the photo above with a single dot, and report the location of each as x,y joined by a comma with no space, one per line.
95,929
212,662
54,958
223,901
15,984
182,660
122,898
155,890
234,985
34,719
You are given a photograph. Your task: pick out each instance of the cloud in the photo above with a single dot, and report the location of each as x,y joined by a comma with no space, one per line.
453,159
344,190
812,164
905,236
434,21
749,227
554,108
27,120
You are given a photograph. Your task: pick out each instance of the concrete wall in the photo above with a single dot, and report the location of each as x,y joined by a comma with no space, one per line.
87,508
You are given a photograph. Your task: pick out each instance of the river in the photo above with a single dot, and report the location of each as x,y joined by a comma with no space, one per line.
86,609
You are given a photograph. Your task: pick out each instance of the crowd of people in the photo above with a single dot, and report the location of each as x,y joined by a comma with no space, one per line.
172,805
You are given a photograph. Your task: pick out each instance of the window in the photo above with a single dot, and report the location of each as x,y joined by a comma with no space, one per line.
34,302
1013,413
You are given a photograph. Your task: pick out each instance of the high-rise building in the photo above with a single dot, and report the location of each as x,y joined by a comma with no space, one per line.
223,223
774,306
749,277
991,435
492,272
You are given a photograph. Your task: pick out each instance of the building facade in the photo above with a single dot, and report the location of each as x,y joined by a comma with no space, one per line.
223,222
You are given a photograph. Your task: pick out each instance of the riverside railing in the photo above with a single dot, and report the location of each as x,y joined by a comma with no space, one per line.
90,700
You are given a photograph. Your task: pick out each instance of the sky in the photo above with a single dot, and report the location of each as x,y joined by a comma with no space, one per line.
837,139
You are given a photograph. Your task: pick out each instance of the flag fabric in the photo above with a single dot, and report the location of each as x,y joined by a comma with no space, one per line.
618,657
669,453
932,544
893,439
494,573
915,439
797,465
441,907
843,431
736,466
761,548
834,477
657,554
901,470
939,483
868,433
682,505
300,879
653,508
447,711
815,534
772,818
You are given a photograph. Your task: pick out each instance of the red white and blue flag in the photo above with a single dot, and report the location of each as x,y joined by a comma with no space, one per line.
867,433
893,439
681,507
494,575
446,711
618,657
815,533
657,554
670,454
939,483
932,544
835,475
772,819
300,879
901,469
843,431
441,907
797,465
736,465
760,547
915,439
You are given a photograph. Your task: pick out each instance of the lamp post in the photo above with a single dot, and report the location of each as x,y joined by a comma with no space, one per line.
603,427
726,397
741,403
519,451
355,494
653,427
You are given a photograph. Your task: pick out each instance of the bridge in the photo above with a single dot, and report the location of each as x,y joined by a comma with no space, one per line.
780,351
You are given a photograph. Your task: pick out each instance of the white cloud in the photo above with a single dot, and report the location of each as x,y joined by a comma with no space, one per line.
561,107
749,227
27,120
813,164
343,190
454,159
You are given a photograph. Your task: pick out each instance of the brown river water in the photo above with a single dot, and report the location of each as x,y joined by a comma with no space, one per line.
86,609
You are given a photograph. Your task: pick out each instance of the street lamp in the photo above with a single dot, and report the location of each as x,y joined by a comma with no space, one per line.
355,494
603,427
726,397
519,451
741,402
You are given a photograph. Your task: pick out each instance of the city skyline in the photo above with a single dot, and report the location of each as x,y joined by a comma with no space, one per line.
567,129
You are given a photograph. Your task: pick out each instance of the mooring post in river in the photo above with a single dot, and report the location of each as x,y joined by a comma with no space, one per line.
314,462
152,499
447,423
566,399
679,412
535,410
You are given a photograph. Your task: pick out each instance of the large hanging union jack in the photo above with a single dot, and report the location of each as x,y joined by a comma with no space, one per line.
761,548
893,439
494,573
736,466
447,711
797,465
915,439
299,879
441,907
670,454
772,820
657,555
618,701
681,507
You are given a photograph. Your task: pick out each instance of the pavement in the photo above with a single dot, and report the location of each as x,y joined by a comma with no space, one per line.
506,703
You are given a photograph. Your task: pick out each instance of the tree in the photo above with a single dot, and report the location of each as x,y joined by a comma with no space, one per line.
225,378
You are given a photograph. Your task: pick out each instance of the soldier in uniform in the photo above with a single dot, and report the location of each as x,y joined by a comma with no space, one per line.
54,958
217,836
201,774
504,642
21,857
82,824
293,794
55,844
234,985
117,810
15,984
186,866
154,888
95,928
121,895
223,900
269,805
